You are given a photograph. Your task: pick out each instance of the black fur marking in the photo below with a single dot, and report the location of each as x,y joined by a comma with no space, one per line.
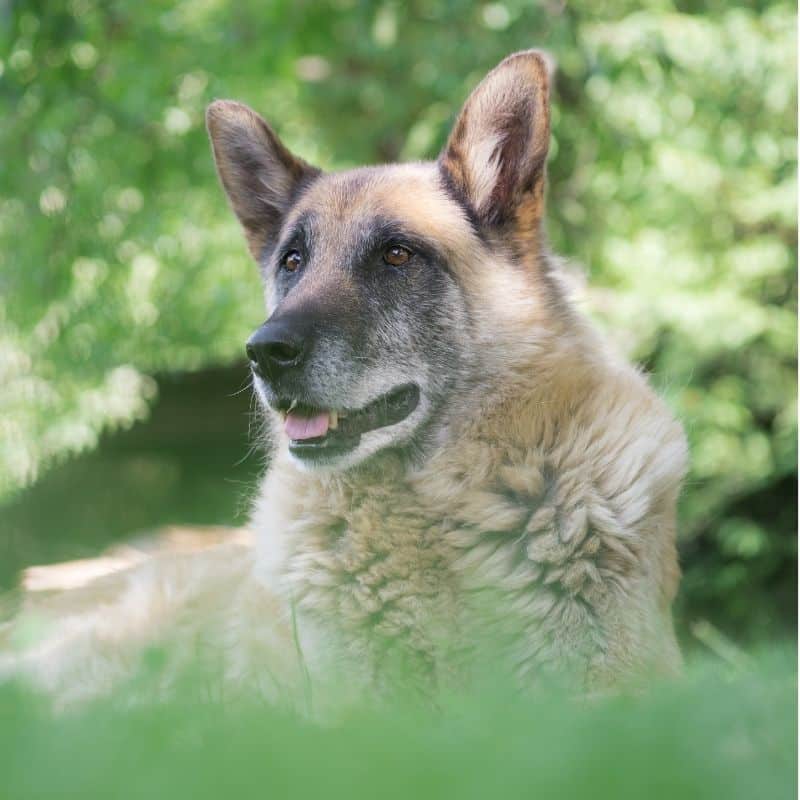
459,197
299,236
385,232
299,188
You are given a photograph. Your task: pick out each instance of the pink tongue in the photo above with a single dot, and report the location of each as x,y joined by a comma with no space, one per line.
299,428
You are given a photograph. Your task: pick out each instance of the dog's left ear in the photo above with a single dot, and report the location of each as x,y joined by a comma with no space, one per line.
495,156
259,174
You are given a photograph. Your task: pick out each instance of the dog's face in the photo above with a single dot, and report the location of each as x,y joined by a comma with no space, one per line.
373,277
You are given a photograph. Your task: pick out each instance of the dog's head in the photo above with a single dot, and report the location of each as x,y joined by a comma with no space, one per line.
389,288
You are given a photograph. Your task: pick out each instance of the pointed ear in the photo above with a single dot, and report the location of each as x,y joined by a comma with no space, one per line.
495,156
259,174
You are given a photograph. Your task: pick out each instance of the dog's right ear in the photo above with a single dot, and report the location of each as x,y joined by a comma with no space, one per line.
495,156
259,174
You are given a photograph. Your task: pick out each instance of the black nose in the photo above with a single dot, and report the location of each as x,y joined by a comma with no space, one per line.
274,347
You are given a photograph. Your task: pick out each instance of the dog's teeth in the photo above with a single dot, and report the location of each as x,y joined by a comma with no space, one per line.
293,404
334,420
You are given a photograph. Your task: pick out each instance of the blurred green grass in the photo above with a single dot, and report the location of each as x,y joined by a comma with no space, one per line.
721,731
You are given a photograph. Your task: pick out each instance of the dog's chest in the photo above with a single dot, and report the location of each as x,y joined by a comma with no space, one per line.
381,569
422,569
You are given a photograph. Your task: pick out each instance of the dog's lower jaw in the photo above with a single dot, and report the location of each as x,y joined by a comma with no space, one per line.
395,438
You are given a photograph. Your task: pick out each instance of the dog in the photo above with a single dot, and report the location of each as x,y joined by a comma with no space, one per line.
459,460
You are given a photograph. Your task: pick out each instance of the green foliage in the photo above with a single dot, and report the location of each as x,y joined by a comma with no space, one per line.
672,178
715,734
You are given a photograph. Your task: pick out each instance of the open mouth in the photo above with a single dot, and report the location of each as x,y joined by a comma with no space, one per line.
324,433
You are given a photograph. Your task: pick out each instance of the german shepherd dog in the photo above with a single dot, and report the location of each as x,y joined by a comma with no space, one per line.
457,456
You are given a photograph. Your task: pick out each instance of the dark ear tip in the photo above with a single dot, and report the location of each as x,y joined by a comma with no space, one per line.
219,111
546,61
540,61
215,111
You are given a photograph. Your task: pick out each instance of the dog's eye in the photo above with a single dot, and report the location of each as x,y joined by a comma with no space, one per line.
292,261
396,256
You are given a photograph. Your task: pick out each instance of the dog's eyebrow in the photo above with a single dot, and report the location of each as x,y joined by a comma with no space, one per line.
383,230
299,232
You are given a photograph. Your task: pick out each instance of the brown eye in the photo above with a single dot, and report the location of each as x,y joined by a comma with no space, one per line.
292,261
396,256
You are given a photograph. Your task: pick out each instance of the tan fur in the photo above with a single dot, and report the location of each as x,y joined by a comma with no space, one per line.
558,499
541,523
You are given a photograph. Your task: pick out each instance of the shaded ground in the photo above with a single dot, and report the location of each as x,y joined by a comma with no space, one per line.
187,464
